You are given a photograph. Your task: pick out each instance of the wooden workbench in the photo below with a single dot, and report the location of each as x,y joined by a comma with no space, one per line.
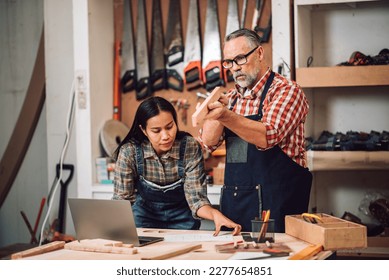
207,251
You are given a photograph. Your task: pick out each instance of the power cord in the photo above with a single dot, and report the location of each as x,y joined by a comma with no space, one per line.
70,118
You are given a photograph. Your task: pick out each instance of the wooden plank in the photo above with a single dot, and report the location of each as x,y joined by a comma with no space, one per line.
318,2
96,247
202,110
307,252
347,160
39,250
343,76
173,253
25,126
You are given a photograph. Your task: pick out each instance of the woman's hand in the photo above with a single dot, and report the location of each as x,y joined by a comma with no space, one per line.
210,213
221,220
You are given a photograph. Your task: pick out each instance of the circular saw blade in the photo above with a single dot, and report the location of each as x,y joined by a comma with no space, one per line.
112,133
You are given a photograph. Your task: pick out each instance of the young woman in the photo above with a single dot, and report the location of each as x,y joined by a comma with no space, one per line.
161,171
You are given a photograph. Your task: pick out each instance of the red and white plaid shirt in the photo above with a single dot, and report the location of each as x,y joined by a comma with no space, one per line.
285,109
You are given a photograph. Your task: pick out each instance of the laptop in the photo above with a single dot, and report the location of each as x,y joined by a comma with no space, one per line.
107,219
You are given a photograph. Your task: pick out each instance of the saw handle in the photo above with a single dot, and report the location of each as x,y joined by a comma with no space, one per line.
193,75
174,80
158,79
175,55
213,75
128,81
143,88
228,77
192,72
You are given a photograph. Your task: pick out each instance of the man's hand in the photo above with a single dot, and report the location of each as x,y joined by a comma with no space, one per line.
217,109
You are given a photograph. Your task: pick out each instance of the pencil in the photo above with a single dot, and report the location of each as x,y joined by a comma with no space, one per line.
262,233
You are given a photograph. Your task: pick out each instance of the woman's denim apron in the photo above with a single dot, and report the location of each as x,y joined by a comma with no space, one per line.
162,206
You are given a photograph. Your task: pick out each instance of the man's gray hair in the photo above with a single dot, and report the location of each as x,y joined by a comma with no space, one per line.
252,36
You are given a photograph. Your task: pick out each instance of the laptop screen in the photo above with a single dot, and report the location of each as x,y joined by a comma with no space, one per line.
106,219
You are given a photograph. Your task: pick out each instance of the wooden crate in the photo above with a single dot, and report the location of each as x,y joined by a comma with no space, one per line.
334,233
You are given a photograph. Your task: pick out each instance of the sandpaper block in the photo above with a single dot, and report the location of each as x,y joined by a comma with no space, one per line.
202,110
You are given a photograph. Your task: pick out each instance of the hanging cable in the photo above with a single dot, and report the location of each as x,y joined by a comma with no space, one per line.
70,118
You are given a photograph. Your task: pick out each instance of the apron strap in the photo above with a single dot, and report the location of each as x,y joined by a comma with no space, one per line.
139,159
181,169
264,92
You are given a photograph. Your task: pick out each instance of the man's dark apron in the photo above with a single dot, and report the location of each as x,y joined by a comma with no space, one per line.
257,180
162,206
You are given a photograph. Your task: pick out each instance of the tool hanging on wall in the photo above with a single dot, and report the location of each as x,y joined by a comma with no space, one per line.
264,32
243,17
143,84
192,60
174,48
231,25
212,66
118,24
157,63
128,78
183,106
257,14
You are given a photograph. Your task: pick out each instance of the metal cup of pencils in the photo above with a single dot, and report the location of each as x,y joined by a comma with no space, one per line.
262,231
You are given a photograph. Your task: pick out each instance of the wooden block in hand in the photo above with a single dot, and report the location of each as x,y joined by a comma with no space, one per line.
202,110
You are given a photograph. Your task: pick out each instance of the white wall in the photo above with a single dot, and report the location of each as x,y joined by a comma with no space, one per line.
21,24
58,16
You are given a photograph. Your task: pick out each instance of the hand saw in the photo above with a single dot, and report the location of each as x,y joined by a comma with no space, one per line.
143,85
174,48
257,14
212,66
157,64
243,18
264,32
231,26
192,60
128,79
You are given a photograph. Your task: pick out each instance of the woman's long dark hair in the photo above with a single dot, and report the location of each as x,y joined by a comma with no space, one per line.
147,109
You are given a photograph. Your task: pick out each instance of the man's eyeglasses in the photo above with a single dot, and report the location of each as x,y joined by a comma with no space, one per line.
239,59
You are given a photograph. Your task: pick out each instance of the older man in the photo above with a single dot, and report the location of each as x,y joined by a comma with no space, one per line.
262,122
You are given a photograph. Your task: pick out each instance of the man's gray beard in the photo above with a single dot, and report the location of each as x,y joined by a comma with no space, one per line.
247,82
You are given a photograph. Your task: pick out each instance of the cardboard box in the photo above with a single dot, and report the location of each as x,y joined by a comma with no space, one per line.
333,234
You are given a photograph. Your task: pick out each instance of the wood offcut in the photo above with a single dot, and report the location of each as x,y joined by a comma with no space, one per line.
202,110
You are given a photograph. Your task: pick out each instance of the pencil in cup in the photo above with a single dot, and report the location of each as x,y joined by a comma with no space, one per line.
262,231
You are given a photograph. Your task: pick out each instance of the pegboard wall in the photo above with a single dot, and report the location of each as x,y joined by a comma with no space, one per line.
129,103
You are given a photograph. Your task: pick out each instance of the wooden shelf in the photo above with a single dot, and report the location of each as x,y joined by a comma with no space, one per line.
347,160
343,76
316,2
